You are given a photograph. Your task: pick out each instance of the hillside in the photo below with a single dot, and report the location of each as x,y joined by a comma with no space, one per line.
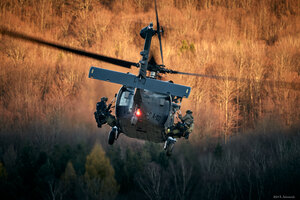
47,101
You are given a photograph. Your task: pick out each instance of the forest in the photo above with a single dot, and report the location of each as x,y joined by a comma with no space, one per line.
246,140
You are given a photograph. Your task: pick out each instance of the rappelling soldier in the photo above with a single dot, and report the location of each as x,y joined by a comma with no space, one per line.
187,124
101,106
183,128
102,114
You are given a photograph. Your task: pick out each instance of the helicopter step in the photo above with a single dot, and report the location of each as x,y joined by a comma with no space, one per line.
113,135
169,145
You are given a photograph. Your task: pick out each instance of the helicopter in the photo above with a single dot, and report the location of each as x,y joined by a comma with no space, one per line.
145,107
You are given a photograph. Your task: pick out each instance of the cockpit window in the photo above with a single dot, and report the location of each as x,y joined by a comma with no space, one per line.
126,99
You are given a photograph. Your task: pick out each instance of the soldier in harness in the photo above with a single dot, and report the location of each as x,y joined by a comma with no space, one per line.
187,124
102,114
183,128
180,129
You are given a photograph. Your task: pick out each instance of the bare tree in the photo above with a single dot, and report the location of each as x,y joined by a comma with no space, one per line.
55,189
182,175
151,182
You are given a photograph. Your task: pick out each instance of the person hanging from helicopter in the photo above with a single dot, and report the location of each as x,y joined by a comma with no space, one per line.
183,128
187,124
103,113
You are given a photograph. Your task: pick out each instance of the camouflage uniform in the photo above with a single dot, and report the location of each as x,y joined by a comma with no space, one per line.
188,123
183,128
101,106
102,114
188,118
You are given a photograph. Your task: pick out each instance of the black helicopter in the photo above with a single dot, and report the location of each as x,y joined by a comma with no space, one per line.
145,107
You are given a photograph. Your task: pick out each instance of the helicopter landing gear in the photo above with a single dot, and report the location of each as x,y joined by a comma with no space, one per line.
113,135
169,145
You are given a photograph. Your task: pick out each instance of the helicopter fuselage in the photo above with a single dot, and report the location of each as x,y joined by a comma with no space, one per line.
154,115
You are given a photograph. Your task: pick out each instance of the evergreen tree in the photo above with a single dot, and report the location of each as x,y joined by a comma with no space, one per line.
3,173
69,181
69,174
99,175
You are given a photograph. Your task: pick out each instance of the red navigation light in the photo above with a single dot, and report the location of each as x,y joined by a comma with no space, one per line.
138,112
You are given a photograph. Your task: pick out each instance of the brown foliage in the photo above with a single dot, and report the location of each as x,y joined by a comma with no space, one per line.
246,39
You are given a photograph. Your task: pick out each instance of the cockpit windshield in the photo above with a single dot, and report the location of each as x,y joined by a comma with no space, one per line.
126,98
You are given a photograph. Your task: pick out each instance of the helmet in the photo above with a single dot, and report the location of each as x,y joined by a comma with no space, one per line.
104,99
189,112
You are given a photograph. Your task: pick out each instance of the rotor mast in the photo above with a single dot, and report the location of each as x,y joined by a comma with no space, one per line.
146,33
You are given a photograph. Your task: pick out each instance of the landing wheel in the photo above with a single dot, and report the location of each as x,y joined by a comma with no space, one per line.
112,135
169,145
169,149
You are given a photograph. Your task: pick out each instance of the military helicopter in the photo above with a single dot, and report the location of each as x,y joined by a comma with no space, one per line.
145,107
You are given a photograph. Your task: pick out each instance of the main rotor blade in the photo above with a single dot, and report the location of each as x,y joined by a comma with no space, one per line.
158,33
278,84
99,57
